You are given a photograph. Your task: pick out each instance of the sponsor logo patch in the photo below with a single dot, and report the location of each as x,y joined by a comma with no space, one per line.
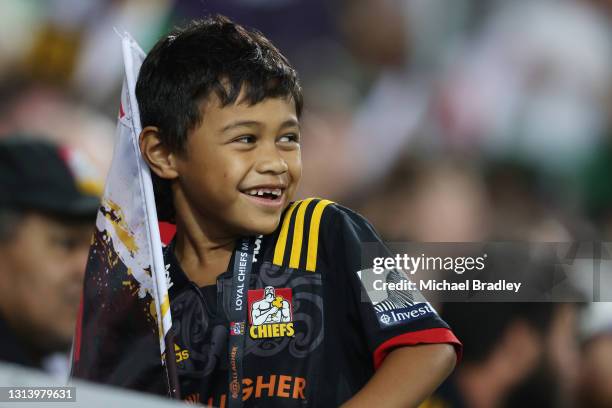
402,315
393,306
236,328
270,313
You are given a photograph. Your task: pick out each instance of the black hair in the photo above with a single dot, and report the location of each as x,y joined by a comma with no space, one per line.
188,65
10,218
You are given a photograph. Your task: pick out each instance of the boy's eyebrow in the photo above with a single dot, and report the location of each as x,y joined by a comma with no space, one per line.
287,123
290,122
240,123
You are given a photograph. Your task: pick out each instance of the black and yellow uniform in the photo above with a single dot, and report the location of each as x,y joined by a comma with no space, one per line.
312,337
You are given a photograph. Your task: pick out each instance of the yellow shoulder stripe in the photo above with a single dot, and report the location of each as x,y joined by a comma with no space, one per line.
281,243
313,235
301,208
298,234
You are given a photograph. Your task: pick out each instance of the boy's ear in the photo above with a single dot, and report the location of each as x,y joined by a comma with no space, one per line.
158,156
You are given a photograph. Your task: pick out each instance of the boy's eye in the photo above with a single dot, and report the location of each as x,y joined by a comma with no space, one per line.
289,137
247,139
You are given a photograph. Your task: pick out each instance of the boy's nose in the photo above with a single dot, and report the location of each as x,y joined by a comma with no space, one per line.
271,161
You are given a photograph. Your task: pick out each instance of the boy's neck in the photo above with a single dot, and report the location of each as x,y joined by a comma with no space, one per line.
201,258
202,250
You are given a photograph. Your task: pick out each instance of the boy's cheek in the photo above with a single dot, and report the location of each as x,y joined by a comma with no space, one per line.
294,164
291,192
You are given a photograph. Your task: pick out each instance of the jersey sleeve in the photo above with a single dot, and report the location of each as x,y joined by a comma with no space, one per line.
387,319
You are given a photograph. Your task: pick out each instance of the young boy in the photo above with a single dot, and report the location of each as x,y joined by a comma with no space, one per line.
220,109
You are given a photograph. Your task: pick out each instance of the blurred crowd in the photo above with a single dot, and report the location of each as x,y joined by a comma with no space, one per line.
439,120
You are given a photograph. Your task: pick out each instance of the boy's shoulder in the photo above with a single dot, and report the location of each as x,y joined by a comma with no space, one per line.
319,213
313,228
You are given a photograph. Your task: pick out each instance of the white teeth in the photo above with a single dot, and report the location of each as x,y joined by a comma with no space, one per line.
261,191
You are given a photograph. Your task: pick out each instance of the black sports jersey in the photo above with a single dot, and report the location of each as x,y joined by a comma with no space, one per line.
311,338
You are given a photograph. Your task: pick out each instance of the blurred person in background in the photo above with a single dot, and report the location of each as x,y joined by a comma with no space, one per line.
523,353
595,184
595,389
509,358
401,45
52,113
48,203
525,205
554,381
439,200
531,84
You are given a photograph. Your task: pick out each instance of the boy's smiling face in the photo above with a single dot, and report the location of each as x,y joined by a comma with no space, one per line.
241,166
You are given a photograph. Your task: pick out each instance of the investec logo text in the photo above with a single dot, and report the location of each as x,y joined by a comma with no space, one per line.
396,316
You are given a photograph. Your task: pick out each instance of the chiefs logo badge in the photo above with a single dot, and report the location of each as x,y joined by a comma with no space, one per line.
270,313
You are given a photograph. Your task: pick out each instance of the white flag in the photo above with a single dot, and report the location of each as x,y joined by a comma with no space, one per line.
125,300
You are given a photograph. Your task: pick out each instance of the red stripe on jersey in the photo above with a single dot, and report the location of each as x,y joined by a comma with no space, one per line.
428,336
166,232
